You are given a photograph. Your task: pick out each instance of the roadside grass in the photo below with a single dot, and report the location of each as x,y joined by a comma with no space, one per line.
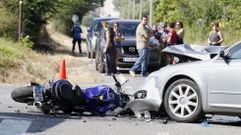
10,53
20,65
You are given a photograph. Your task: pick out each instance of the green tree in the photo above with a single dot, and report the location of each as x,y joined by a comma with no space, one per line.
38,12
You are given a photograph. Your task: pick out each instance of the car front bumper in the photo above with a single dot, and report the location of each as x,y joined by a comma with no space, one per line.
153,99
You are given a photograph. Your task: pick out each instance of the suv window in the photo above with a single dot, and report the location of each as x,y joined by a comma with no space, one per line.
235,52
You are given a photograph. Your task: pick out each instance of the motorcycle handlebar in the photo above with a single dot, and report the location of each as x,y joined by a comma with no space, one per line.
113,75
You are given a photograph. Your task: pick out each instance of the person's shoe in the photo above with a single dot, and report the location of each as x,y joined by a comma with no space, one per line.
132,73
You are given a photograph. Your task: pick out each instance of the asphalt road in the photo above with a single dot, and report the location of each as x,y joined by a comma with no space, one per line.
17,119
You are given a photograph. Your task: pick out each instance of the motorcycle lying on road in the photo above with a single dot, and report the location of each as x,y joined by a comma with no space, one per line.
62,95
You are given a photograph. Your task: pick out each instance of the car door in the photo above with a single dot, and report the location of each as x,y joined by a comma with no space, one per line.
224,84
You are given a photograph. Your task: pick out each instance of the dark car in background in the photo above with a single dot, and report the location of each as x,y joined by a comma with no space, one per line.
94,28
129,53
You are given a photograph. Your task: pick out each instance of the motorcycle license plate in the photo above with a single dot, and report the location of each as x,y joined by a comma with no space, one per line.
38,93
129,59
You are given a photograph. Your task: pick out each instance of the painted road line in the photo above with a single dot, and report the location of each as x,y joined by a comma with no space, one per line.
14,126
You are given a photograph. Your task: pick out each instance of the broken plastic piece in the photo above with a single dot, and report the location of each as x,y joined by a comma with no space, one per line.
147,116
205,124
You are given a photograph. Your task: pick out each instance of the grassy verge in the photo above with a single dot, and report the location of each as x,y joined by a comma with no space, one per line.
20,65
10,54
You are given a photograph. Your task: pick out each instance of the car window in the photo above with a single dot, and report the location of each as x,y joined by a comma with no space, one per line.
98,26
128,29
235,52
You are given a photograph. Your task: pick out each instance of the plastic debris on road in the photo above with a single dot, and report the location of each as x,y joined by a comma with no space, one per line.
205,124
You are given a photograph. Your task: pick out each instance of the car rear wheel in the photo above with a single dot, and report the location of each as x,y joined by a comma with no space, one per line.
182,101
99,61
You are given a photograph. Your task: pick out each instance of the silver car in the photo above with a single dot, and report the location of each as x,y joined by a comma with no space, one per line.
188,91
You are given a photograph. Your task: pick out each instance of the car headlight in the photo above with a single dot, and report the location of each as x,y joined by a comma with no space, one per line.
141,94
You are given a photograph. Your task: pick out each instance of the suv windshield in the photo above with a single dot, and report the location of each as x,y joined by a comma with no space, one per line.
129,28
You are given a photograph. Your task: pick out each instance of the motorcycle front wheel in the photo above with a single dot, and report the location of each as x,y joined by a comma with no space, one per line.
23,94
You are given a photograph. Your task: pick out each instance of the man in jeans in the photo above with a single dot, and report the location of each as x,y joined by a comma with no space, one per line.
143,34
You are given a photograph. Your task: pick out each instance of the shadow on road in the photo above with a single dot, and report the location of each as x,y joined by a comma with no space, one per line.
40,122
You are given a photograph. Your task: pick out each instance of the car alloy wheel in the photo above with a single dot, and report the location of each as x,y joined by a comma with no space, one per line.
182,101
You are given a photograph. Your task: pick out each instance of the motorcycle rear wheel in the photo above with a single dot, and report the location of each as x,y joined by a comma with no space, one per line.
23,94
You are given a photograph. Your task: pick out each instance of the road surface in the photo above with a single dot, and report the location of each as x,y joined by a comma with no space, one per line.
16,119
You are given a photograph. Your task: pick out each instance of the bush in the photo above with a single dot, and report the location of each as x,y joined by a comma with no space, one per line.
27,43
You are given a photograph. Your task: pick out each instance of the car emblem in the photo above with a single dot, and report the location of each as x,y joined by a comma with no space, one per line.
132,49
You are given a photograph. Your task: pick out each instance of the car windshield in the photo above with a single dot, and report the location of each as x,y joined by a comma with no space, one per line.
98,26
129,28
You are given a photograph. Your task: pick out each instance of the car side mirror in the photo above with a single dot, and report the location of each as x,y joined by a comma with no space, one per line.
88,29
97,34
223,55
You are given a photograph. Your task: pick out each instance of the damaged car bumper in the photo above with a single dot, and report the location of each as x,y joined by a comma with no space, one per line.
148,98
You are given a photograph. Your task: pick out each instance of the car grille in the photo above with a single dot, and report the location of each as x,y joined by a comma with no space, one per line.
130,50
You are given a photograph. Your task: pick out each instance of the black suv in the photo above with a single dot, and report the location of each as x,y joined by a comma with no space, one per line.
129,53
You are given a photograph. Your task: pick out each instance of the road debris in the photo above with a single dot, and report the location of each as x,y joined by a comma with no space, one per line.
205,124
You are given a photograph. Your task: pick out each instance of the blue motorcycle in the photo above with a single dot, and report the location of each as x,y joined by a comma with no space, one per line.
62,95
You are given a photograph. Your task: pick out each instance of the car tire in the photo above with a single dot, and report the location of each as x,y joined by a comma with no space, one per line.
93,55
89,54
99,61
182,101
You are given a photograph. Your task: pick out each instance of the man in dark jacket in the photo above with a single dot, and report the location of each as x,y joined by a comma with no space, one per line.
76,31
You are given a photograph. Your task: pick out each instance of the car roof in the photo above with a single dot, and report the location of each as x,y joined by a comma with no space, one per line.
125,21
105,18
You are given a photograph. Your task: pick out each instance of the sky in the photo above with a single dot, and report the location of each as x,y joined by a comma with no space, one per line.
109,9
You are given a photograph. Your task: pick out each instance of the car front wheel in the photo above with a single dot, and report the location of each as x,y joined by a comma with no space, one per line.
182,101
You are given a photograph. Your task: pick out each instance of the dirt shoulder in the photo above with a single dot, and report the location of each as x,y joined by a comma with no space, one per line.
80,69
41,66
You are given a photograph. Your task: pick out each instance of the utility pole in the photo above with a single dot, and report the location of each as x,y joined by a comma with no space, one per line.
133,9
140,9
20,21
123,9
150,12
128,9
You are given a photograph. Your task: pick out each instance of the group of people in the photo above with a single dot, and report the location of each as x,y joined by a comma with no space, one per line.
168,37
112,37
164,36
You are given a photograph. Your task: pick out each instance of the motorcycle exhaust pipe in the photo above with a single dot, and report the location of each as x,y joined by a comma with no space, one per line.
37,104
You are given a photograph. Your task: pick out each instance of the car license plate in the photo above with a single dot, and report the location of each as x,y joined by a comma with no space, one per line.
129,59
38,93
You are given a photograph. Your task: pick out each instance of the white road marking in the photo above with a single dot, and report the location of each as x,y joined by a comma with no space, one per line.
14,126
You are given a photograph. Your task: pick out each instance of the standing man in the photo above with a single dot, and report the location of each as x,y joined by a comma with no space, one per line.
215,36
143,34
76,31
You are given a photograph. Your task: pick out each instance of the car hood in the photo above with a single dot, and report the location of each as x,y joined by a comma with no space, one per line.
199,52
129,41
